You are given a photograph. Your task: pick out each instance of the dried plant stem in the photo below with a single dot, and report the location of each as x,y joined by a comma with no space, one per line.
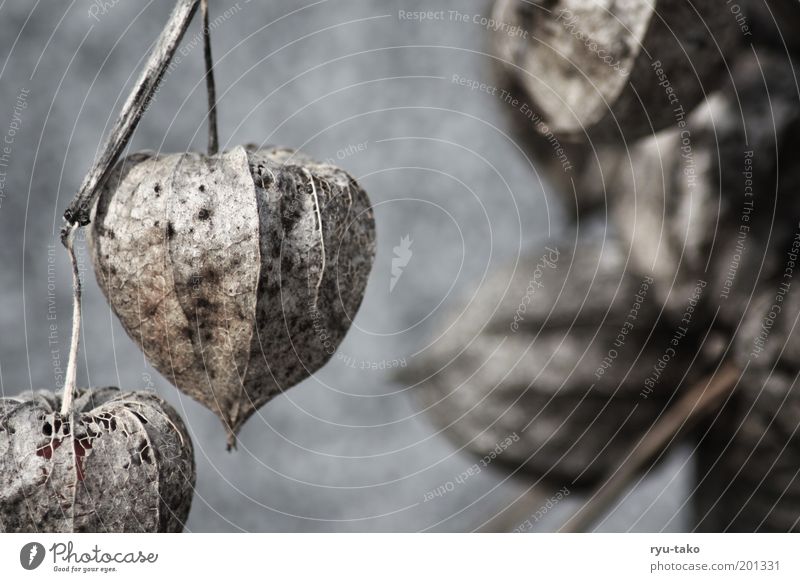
68,239
321,234
163,51
703,398
213,136
518,511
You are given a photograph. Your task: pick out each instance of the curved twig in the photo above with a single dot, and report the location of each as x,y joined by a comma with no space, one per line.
213,136
80,208
68,239
702,399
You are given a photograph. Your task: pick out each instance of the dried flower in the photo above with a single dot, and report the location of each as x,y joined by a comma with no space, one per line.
237,274
616,72
586,371
120,462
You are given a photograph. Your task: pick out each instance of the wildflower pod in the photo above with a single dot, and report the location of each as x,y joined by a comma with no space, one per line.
571,355
237,274
120,462
612,71
713,197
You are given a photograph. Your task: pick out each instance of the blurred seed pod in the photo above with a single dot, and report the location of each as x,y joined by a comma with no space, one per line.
608,71
121,462
714,197
568,352
578,172
747,470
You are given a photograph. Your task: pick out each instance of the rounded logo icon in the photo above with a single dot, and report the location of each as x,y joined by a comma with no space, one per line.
31,555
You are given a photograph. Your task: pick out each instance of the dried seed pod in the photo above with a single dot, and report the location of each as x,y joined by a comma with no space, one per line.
710,199
569,353
747,471
612,70
237,274
668,229
715,199
121,462
578,172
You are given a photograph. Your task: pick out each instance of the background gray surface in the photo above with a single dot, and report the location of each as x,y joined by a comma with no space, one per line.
344,450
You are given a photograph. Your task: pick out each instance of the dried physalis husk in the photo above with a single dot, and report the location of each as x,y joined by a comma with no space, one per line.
611,70
747,459
567,354
120,462
237,274
714,198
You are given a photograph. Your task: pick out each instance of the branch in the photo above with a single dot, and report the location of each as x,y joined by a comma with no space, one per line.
702,399
80,208
68,239
213,139
517,511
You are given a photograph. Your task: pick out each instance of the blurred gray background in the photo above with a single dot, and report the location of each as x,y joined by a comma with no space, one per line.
344,450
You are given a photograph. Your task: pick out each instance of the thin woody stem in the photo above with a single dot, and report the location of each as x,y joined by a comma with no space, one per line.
80,208
68,239
702,399
213,136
